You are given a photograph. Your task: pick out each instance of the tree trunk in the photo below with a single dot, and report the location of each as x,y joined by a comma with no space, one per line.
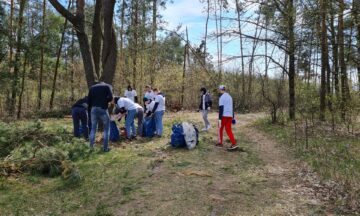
122,59
109,52
15,78
42,56
22,87
154,47
356,14
96,38
335,54
324,59
238,10
206,29
135,15
291,53
345,94
78,22
57,63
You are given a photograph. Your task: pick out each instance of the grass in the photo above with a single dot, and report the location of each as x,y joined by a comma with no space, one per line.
335,156
148,177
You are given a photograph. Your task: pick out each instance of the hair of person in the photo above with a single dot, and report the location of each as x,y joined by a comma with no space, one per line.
116,99
203,89
155,89
148,86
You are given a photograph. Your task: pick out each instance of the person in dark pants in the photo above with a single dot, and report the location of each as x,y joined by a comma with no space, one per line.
79,114
99,97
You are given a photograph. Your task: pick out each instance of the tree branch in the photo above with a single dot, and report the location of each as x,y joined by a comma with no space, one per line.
63,11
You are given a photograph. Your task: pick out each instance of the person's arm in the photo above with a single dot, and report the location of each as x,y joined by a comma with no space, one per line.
89,99
221,112
155,107
210,101
109,94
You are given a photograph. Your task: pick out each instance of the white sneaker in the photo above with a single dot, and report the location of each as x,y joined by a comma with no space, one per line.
204,129
209,127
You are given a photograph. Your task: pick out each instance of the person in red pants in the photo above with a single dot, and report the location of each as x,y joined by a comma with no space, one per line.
226,116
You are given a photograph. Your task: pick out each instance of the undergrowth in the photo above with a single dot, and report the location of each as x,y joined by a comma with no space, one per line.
29,148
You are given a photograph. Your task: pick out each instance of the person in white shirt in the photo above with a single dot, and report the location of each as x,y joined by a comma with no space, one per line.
128,107
226,116
205,107
149,93
158,111
131,94
149,105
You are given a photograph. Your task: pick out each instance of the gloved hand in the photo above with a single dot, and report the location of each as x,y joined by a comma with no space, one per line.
233,121
209,108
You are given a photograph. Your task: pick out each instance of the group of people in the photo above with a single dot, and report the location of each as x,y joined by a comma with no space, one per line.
87,112
94,108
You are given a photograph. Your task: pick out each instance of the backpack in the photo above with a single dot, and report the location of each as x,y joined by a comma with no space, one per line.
114,132
177,136
149,127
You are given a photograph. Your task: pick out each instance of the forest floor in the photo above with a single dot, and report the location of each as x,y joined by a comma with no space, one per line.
148,177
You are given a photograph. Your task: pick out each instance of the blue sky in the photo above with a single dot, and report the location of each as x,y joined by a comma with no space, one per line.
192,14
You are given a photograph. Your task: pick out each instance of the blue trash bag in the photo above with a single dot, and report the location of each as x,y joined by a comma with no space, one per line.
177,136
149,127
114,132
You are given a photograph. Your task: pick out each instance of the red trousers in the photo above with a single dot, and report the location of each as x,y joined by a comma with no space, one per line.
226,123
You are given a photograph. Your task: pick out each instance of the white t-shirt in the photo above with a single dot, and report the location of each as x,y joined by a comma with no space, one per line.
138,106
150,106
130,94
226,101
161,100
150,95
126,103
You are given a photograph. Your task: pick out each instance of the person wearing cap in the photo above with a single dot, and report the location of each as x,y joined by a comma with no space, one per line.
226,116
149,105
159,111
149,93
128,107
205,107
131,94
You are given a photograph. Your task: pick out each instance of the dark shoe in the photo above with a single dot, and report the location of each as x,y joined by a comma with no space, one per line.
233,148
219,145
106,150
133,138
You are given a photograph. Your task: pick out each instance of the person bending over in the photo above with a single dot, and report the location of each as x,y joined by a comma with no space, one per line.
127,107
79,114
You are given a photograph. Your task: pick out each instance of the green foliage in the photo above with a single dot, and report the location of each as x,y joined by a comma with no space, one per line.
30,148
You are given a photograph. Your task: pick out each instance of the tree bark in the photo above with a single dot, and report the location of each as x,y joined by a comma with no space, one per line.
238,11
96,38
22,87
345,94
42,56
122,58
291,52
324,59
335,54
109,52
153,38
15,78
78,21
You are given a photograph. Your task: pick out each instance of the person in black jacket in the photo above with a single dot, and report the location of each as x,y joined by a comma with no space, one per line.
99,97
205,107
79,114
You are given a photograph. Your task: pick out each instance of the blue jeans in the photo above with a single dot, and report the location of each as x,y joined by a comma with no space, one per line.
99,114
80,114
129,123
158,121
